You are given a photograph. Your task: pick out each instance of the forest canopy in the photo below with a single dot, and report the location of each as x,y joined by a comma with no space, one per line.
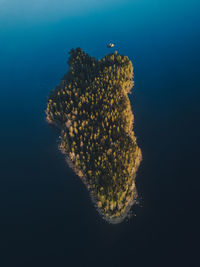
92,108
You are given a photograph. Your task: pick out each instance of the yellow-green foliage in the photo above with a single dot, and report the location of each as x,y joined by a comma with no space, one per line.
92,107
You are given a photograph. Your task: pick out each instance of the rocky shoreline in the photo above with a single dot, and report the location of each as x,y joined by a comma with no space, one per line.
113,220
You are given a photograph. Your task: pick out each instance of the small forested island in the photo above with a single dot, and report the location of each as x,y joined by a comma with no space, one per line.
92,108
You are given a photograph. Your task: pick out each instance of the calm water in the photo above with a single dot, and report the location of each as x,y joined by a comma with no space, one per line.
46,217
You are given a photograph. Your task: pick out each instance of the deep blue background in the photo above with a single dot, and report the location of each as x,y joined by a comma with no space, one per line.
46,216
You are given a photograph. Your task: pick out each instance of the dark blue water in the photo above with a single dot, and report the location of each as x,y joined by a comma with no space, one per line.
46,217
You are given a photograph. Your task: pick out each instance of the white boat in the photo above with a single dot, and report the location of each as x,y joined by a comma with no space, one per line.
110,45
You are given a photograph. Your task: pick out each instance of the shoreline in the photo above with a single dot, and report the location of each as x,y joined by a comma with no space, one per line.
114,220
131,203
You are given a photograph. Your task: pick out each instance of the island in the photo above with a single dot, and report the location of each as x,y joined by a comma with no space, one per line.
92,109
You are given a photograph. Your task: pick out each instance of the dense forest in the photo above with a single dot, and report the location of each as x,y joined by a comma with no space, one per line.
92,108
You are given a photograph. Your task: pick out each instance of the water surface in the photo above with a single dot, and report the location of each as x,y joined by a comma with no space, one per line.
46,216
